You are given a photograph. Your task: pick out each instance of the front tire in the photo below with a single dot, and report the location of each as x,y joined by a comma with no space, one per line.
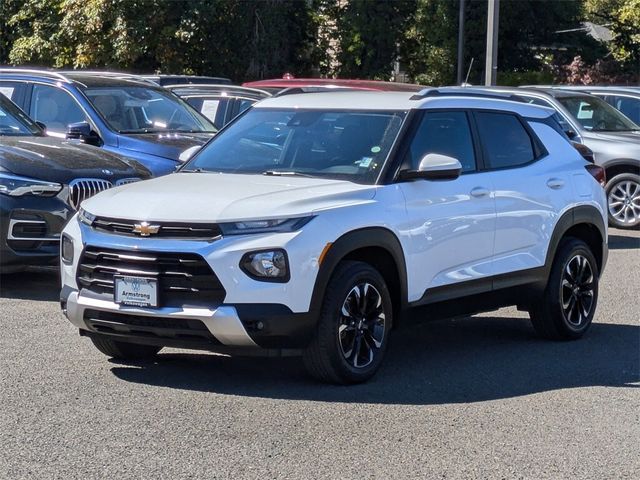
569,301
623,200
124,350
353,328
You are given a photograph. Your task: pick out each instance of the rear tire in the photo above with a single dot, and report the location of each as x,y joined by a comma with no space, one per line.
623,200
568,303
124,350
353,328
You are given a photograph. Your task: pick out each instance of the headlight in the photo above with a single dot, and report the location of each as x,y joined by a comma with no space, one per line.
17,186
266,265
66,249
85,217
264,226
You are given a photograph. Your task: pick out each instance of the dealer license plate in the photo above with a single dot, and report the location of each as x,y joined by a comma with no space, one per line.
138,291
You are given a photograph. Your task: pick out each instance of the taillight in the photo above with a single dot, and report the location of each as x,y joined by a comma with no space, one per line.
585,151
597,172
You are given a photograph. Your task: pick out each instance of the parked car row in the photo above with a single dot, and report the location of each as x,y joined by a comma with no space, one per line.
155,123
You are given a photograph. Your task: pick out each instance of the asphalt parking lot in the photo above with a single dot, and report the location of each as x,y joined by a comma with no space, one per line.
477,397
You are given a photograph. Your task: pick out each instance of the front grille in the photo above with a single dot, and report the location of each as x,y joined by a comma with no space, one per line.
126,181
184,279
150,327
82,188
191,231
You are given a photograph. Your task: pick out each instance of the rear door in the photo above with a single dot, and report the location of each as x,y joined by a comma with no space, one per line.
531,187
451,223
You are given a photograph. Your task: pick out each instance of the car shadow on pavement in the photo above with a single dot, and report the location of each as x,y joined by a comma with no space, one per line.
453,361
622,242
38,284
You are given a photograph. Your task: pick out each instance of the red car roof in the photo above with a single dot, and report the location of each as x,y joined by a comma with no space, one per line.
334,82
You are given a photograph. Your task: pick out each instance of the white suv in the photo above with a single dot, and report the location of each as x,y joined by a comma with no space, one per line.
313,221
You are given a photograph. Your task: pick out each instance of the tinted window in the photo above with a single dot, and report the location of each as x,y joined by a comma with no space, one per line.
505,140
55,108
14,122
446,133
629,106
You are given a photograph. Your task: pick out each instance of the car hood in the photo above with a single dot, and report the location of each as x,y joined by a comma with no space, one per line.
56,160
216,197
167,145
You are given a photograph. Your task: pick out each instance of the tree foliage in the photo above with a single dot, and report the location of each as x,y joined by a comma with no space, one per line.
622,17
248,39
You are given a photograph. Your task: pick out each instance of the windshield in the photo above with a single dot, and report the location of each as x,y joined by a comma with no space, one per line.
13,122
596,115
349,145
145,110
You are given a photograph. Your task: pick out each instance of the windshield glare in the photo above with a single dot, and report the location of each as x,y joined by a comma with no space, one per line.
350,145
145,110
597,115
15,123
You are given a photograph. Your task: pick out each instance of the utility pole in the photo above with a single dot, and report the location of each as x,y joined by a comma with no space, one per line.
491,64
460,44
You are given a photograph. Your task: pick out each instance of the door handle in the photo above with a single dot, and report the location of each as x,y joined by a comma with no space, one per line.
480,192
555,183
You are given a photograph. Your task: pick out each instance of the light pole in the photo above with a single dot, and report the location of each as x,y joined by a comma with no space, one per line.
491,64
460,43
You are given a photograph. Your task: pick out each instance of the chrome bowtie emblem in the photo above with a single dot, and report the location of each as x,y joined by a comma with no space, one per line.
145,229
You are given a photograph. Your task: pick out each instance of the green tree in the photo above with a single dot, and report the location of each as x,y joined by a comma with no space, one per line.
369,35
622,17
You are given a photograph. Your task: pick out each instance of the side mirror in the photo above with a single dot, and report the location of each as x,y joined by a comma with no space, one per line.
571,134
188,153
434,166
82,131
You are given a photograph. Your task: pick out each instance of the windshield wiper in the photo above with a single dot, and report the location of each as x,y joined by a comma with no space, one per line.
285,173
195,170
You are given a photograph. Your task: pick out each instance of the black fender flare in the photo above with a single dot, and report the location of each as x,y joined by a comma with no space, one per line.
379,237
581,214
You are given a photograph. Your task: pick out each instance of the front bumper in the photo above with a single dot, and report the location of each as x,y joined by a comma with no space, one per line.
247,327
30,230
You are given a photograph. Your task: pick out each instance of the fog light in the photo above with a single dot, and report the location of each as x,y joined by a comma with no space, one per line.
66,250
266,265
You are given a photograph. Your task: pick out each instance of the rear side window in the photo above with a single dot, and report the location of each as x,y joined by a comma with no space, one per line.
629,106
446,133
55,108
506,142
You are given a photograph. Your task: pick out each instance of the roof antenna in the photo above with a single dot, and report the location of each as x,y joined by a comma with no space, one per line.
466,79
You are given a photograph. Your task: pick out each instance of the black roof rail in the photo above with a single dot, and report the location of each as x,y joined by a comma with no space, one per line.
313,89
466,92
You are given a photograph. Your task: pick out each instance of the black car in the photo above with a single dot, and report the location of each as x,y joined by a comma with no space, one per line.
166,79
119,112
43,180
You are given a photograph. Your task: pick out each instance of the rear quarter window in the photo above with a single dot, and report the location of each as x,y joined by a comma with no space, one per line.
505,140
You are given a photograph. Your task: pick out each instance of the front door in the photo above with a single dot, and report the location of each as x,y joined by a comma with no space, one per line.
451,223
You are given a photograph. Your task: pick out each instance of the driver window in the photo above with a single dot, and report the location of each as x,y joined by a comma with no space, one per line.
55,108
446,133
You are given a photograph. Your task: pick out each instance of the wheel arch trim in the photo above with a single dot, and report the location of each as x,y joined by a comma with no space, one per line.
377,237
579,215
